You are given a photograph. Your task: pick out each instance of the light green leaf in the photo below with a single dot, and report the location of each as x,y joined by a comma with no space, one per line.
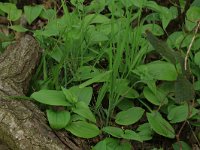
127,118
156,97
95,18
99,78
18,28
82,94
48,14
83,110
107,144
154,28
119,133
83,129
50,97
160,125
32,12
86,72
192,16
131,135
69,96
178,113
167,15
12,11
110,144
159,70
114,131
124,90
59,119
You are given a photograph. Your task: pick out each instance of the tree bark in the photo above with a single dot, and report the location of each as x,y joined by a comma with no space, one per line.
22,125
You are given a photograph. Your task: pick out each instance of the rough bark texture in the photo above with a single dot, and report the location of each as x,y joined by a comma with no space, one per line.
22,125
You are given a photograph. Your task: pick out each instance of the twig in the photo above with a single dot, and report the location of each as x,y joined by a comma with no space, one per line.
190,46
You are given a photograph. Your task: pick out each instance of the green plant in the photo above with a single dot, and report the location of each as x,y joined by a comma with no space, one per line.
91,58
70,110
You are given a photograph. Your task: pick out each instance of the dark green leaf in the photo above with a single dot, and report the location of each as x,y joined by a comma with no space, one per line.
161,47
184,90
181,145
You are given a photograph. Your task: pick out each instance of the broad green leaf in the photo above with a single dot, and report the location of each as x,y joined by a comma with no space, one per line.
99,78
131,135
107,144
127,118
125,104
139,3
167,15
57,53
48,14
69,96
82,94
160,125
175,39
124,90
158,70
95,18
162,48
145,131
178,113
184,90
196,3
157,97
76,117
197,58
83,110
86,72
58,119
119,133
110,144
32,12
75,94
12,11
181,145
154,28
18,28
197,85
83,129
96,6
50,97
114,131
192,17
124,146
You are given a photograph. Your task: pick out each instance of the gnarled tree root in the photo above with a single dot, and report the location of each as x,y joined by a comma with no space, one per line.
22,125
